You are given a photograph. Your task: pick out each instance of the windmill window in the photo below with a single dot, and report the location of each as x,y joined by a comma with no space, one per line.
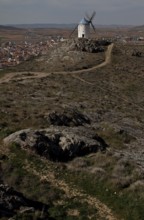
83,35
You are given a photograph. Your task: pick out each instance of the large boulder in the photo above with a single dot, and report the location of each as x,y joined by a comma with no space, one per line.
58,143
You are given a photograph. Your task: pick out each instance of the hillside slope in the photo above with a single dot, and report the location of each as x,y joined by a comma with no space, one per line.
96,116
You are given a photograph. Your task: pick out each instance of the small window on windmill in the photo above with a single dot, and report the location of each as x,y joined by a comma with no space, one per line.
82,35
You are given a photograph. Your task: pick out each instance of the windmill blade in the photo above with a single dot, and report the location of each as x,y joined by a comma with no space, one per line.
73,30
87,16
93,26
92,17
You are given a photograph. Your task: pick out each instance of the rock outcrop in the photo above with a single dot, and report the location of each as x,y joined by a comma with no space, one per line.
89,45
68,118
58,143
13,202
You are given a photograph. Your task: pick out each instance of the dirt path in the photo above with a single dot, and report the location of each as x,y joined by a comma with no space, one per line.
106,62
33,75
103,211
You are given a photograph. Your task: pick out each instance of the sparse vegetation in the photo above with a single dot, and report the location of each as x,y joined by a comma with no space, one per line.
112,98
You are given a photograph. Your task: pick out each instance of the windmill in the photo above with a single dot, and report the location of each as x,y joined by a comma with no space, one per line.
84,26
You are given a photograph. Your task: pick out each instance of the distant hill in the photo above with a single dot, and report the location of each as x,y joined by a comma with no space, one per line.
43,25
5,27
63,26
139,27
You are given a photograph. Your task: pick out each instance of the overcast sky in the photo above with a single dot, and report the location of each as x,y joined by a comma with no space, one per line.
71,11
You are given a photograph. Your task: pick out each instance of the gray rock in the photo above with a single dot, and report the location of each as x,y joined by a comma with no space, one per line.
58,143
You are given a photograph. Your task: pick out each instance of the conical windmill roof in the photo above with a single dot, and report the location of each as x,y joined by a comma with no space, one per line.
84,21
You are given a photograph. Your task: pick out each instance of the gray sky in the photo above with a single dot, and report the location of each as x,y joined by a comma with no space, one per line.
71,11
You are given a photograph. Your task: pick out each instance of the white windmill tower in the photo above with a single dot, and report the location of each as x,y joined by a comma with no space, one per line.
84,26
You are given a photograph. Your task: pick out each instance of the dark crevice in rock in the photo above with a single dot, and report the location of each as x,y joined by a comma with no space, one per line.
49,148
103,144
23,136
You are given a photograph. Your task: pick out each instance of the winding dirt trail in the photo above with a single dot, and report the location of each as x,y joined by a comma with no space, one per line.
16,76
48,176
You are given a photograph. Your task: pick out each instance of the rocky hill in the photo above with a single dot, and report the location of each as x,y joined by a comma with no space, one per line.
71,137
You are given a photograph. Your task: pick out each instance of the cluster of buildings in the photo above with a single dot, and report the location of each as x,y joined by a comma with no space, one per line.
12,53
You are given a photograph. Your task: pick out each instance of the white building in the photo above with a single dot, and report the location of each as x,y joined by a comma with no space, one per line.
84,29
